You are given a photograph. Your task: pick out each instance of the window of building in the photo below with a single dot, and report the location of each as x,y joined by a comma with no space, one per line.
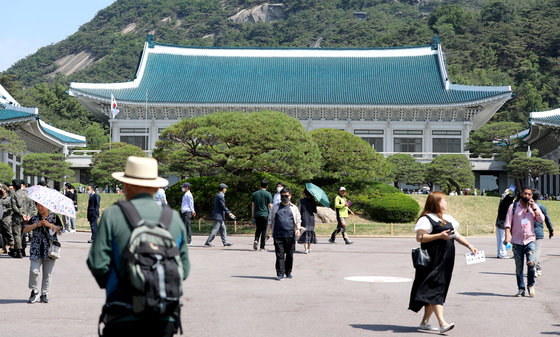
446,132
134,130
375,142
408,144
408,132
445,145
140,141
368,132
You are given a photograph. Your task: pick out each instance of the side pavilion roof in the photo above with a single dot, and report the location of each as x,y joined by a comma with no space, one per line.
180,75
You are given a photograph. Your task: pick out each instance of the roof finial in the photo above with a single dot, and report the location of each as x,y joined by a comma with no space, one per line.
436,42
150,40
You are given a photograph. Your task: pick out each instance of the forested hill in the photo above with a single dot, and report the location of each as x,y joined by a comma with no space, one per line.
509,42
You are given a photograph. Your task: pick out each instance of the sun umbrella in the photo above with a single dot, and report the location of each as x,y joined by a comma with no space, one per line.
318,194
55,201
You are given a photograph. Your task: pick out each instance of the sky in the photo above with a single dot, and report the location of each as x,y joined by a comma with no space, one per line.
28,25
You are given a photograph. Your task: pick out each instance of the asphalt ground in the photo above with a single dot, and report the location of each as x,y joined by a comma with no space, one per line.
232,292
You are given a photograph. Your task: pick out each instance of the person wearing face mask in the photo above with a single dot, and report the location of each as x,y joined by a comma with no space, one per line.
284,221
276,199
520,231
93,210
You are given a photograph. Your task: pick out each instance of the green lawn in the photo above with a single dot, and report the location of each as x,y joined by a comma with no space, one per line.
476,215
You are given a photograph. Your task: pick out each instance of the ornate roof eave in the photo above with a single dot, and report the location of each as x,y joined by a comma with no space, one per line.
35,129
103,99
17,121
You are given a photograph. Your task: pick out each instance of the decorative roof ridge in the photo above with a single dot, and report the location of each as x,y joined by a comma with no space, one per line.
544,114
460,87
46,127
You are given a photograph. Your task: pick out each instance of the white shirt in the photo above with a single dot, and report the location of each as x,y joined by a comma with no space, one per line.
277,199
160,197
187,205
425,224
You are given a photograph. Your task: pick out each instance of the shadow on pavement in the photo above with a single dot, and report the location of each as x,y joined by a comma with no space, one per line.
2,301
494,273
474,293
387,327
255,277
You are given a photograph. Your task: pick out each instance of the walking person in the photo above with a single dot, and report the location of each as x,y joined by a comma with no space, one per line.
6,220
341,205
69,222
307,209
539,234
279,187
284,221
219,215
160,197
45,226
437,233
520,231
93,210
505,201
129,311
187,210
260,208
19,217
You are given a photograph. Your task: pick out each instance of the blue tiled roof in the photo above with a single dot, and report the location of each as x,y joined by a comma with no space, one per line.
61,137
553,120
7,114
204,79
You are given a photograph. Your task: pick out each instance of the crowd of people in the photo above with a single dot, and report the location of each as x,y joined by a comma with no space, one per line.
519,224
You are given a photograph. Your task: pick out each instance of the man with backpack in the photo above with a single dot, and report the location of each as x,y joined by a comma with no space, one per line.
140,257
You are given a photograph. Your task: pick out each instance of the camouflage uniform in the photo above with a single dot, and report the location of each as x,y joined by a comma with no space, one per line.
19,208
6,221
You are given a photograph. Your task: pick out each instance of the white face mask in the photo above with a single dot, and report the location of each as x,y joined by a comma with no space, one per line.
278,189
183,189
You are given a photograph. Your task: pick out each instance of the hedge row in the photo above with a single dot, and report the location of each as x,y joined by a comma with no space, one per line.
380,201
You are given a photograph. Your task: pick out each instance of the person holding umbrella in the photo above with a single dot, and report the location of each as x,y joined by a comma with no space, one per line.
45,226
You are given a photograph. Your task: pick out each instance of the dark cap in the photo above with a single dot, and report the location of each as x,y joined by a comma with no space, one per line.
186,185
222,186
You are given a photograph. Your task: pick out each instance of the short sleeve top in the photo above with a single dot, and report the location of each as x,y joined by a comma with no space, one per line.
425,224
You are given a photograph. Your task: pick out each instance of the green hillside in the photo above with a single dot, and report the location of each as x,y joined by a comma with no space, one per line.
509,42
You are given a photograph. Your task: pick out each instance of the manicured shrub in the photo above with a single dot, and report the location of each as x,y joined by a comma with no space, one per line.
398,208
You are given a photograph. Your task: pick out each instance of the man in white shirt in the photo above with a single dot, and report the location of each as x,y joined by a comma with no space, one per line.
187,209
276,199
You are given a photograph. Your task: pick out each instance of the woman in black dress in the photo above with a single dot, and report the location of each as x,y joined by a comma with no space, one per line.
307,209
437,233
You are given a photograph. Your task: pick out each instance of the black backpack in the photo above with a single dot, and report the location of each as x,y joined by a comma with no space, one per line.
152,263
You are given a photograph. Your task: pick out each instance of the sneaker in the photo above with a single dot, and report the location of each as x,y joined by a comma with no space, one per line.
228,244
289,276
446,328
263,249
65,231
331,240
44,299
208,244
255,245
34,297
427,327
306,251
520,293
532,291
72,231
279,277
348,242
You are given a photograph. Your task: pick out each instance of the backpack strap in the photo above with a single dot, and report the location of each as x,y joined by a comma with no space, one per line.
166,216
130,213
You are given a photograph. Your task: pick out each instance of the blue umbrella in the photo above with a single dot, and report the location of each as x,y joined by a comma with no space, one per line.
319,195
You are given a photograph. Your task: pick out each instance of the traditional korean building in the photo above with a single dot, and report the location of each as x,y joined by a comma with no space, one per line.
38,135
398,99
544,135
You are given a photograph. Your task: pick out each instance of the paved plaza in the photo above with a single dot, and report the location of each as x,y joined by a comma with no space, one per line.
232,292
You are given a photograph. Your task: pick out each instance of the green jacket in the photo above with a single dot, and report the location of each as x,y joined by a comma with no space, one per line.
340,204
19,204
113,234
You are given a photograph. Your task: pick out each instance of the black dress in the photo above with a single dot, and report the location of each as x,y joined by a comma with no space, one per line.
307,209
431,284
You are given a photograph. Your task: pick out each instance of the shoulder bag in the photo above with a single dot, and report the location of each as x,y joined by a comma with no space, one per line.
420,257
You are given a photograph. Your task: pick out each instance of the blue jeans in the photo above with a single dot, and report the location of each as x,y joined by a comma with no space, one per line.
519,253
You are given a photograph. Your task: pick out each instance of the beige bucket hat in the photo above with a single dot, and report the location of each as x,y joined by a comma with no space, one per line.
141,172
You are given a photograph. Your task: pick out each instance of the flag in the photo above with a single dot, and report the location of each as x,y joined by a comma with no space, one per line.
114,107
